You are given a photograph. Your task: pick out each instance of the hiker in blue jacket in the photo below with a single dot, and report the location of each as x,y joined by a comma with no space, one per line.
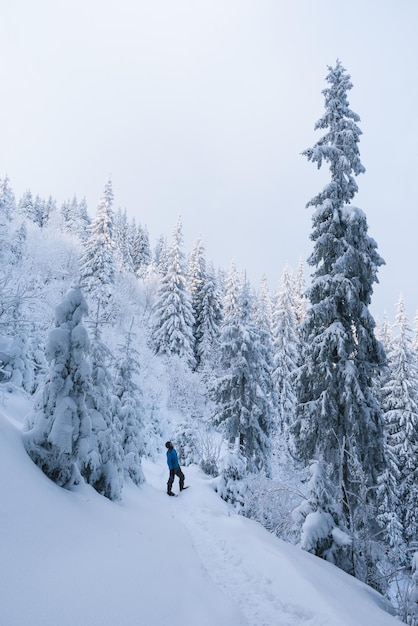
174,467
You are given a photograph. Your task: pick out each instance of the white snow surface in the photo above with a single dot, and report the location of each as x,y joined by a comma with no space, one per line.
77,559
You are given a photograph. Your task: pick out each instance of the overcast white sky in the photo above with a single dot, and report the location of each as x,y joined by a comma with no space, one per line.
202,108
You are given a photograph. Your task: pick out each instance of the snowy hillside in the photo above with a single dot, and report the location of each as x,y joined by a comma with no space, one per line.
76,558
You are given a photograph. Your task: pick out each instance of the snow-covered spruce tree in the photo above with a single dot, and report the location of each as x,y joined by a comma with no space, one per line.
173,315
400,409
319,516
75,216
384,333
82,222
15,362
49,211
130,409
7,201
196,281
140,249
232,284
388,510
388,491
211,320
337,417
206,306
72,216
35,210
18,244
103,468
300,295
98,264
27,207
65,211
287,352
20,279
221,385
58,431
243,393
160,258
13,289
37,359
122,242
263,307
41,211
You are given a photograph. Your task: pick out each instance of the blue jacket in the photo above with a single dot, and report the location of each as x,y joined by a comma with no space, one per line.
172,459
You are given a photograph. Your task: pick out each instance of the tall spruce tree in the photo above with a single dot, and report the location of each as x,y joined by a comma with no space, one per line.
205,304
300,295
83,220
211,319
389,511
122,242
103,468
28,208
384,333
7,201
59,428
160,258
75,217
287,351
337,418
40,211
173,313
130,409
98,264
49,211
140,249
400,406
263,307
243,392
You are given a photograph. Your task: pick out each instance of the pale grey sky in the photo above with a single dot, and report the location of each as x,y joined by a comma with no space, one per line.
202,108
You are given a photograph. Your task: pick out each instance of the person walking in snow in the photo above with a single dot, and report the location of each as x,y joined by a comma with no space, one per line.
174,467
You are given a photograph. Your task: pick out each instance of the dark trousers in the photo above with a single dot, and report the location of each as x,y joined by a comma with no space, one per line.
173,474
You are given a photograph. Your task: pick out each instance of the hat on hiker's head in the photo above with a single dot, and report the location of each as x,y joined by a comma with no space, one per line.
168,444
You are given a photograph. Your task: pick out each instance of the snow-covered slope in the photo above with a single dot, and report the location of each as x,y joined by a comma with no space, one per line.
77,559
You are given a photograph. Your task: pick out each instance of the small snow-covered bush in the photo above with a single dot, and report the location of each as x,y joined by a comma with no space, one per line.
231,482
209,444
318,518
197,443
270,502
186,444
16,364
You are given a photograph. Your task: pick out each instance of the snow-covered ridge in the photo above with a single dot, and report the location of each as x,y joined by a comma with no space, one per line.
76,558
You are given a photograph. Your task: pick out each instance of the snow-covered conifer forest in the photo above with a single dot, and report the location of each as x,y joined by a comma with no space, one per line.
295,408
